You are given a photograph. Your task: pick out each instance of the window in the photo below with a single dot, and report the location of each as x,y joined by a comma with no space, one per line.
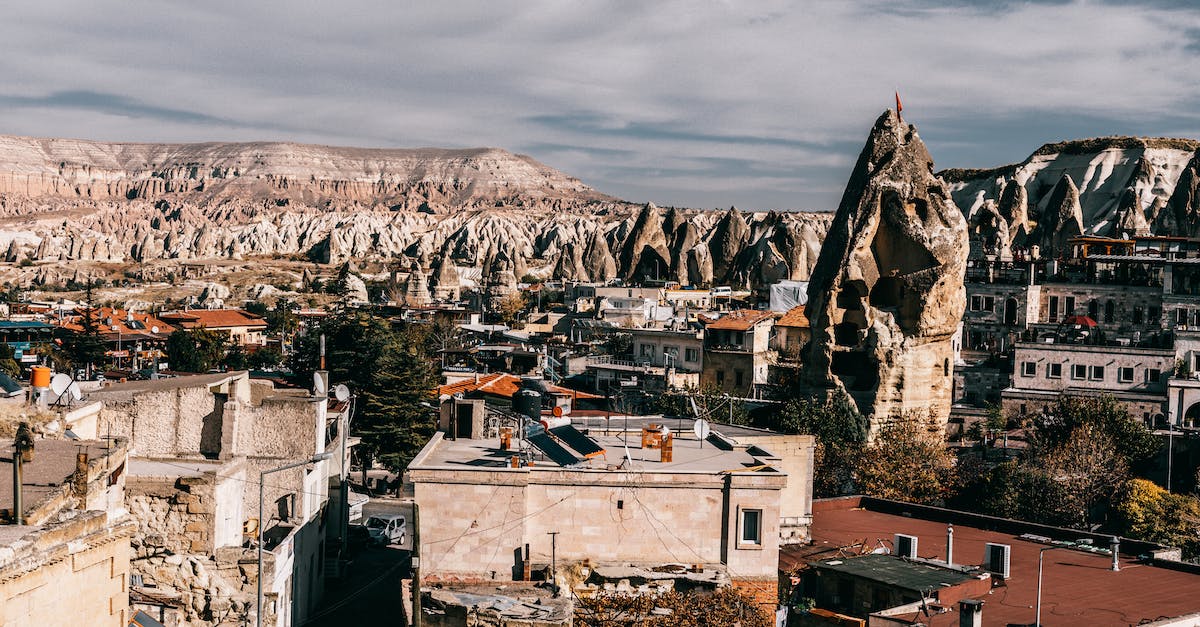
647,350
1153,375
691,354
751,526
983,303
1180,316
671,355
1153,314
1028,369
720,377
1137,315
1125,375
1053,371
737,378
1109,310
1078,371
1070,305
1096,373
1053,309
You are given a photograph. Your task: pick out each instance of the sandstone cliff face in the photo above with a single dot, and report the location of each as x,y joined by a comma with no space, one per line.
887,292
439,213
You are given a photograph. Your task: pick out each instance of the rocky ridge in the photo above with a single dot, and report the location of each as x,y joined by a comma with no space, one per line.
449,218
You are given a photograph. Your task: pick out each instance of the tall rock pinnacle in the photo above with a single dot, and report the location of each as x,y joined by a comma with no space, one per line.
886,294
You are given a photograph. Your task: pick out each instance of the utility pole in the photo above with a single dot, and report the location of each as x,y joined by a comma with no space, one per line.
553,561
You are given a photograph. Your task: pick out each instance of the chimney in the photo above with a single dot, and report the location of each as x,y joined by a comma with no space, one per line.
950,544
81,475
970,613
666,449
1115,545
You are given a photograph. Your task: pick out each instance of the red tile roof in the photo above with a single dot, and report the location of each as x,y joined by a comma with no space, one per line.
502,384
112,323
1078,588
740,320
794,318
214,319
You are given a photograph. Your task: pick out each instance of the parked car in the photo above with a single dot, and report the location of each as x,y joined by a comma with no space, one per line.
387,529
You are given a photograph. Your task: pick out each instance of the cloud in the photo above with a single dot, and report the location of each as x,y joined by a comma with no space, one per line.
758,104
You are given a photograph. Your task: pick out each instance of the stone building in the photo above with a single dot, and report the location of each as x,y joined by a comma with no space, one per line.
69,563
738,352
1135,376
726,504
199,445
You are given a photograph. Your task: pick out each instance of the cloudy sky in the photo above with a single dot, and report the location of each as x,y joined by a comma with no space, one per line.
699,103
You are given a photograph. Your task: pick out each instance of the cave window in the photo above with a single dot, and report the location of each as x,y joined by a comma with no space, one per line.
946,368
1109,311
887,292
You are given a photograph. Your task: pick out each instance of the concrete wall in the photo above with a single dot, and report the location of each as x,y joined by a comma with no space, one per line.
1143,362
473,522
793,454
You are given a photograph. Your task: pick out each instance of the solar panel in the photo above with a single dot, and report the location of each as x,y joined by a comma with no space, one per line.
575,439
538,437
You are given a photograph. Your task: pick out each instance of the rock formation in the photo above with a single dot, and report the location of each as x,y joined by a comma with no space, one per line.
1062,219
887,292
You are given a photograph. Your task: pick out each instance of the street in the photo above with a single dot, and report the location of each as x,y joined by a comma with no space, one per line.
369,593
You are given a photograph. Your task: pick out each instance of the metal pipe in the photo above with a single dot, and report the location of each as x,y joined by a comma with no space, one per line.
18,514
416,565
950,544
1038,619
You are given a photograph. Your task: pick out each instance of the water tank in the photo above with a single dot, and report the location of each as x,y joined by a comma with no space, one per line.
40,377
528,403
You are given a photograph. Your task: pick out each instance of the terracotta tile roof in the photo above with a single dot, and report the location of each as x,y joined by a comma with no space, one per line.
1078,589
106,318
214,318
793,318
740,320
502,384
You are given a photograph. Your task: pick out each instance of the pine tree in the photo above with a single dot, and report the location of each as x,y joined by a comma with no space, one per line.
391,421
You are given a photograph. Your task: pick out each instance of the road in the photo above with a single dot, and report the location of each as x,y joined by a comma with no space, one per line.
369,594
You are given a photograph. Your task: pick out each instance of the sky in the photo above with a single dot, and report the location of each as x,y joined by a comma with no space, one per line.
703,103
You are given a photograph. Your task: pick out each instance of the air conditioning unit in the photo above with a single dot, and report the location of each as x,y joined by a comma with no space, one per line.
905,546
996,559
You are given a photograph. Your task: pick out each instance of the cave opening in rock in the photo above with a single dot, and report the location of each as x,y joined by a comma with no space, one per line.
887,293
855,369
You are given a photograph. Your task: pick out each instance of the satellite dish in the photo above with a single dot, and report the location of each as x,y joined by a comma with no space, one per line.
701,429
60,383
320,388
341,392
74,391
154,329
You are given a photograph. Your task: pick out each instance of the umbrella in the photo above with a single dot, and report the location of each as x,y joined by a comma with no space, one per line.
1080,321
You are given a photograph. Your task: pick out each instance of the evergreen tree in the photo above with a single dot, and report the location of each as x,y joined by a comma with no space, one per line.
86,349
195,350
391,420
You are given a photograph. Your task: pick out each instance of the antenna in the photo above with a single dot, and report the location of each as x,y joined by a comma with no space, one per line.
320,388
74,391
701,428
60,383
341,392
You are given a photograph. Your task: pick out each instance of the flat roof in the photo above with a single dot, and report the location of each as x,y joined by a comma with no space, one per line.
897,571
129,388
1079,588
688,456
52,466
142,467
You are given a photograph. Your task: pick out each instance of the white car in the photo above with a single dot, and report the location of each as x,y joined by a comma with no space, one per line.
387,529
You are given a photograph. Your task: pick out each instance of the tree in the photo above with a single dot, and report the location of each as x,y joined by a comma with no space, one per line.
1088,468
392,422
840,431
1105,415
619,345
235,358
908,461
725,606
265,358
1147,512
510,308
86,348
195,350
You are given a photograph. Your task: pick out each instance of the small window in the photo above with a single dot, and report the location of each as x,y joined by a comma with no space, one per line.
1125,375
720,377
1053,309
647,350
737,378
1153,315
1153,375
751,526
691,354
1078,371
1070,305
1028,369
1137,315
1053,371
1180,316
1096,373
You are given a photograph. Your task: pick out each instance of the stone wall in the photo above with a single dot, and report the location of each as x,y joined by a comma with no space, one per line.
68,573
